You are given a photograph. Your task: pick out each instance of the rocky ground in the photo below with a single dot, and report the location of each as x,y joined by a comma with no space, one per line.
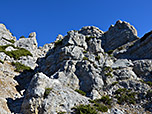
87,71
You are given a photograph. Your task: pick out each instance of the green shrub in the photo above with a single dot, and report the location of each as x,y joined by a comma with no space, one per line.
75,30
142,81
22,37
108,69
105,99
47,92
61,112
101,107
149,83
2,48
123,95
95,66
85,51
1,61
109,74
20,67
84,109
97,58
16,54
68,32
110,52
114,83
85,58
80,92
11,41
120,90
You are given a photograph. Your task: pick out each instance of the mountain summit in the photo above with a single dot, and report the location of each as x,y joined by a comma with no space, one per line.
87,71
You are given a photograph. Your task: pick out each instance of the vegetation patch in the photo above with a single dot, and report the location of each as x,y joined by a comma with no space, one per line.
47,92
22,37
85,109
102,104
97,58
85,51
114,83
20,67
81,92
16,54
109,74
11,41
109,69
2,48
148,82
1,61
104,99
124,95
61,112
85,58
101,107
110,52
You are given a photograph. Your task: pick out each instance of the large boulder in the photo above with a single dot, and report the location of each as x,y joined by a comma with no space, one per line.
59,98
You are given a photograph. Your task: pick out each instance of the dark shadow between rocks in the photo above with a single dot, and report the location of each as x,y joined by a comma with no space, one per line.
14,105
23,81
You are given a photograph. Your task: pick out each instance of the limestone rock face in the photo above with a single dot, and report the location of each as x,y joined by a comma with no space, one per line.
113,68
119,34
5,36
141,49
91,31
59,98
28,43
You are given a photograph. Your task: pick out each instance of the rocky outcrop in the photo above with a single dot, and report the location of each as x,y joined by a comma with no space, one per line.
141,49
85,70
118,35
59,98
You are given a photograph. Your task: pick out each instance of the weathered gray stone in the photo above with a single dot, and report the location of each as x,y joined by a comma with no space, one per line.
141,49
125,73
91,31
143,68
122,63
59,37
28,43
60,98
119,34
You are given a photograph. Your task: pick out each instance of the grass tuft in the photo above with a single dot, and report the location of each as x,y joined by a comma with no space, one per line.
47,92
81,92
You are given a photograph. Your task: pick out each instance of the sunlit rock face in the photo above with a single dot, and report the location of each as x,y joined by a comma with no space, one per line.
82,66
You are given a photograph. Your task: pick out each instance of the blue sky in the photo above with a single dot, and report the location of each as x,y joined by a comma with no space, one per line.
48,18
